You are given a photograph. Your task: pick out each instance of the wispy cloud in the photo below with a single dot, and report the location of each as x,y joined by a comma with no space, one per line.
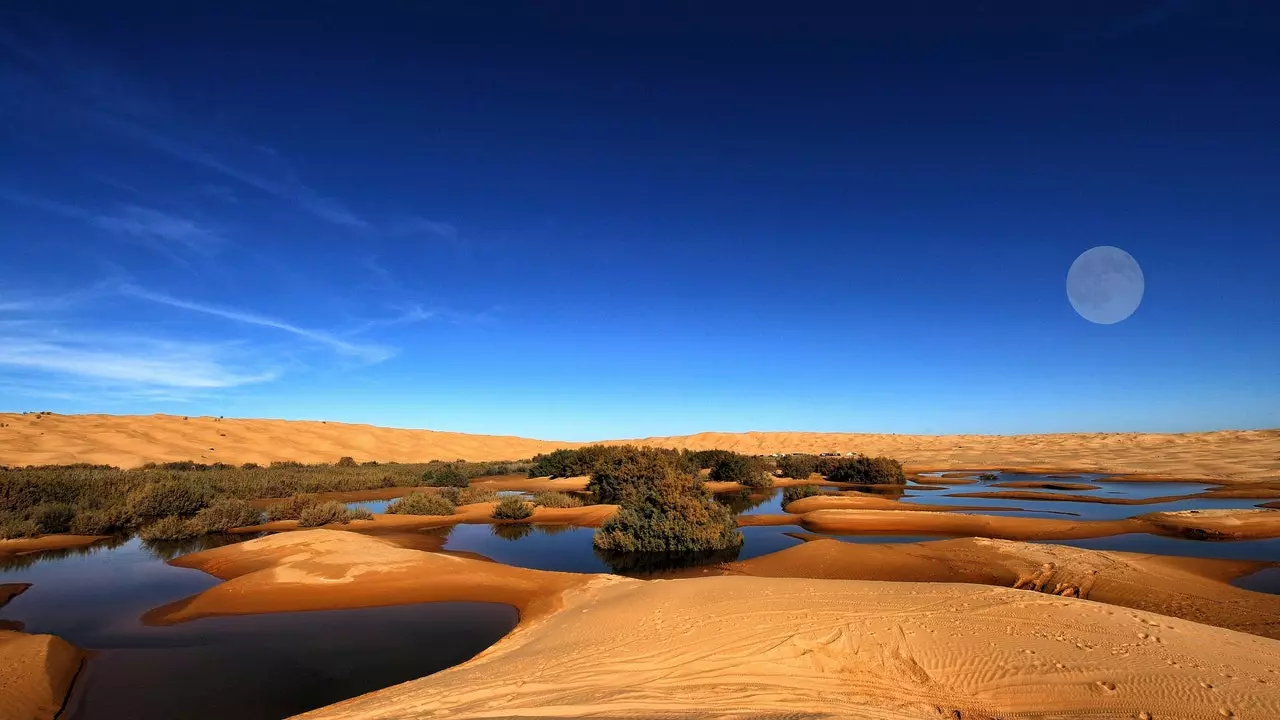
139,362
423,226
158,230
364,351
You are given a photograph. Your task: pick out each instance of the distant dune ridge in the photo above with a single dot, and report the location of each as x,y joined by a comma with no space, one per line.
131,440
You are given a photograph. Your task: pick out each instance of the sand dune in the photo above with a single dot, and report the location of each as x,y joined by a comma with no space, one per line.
598,645
129,441
35,670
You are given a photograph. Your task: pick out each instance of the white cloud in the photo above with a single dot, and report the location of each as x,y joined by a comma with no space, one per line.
129,362
365,351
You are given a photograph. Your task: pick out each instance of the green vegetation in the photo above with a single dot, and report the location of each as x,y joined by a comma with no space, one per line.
12,528
450,475
226,513
797,466
100,499
665,509
865,470
330,512
988,477
556,500
468,495
741,469
421,503
170,527
512,507
797,492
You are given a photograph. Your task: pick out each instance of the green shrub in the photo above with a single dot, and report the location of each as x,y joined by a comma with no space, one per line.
556,500
171,497
420,503
101,522
797,466
291,507
867,470
704,459
671,512
988,477
52,518
471,496
512,507
324,513
746,471
798,492
170,527
346,461
227,513
625,469
447,476
359,513
13,528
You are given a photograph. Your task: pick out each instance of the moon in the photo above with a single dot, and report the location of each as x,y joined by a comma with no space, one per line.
1105,285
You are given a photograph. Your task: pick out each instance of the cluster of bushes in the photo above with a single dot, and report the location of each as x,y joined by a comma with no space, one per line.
664,509
311,511
797,466
797,492
512,507
556,500
866,470
742,469
100,499
587,460
421,503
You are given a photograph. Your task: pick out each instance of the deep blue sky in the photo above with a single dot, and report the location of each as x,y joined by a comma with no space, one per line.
587,220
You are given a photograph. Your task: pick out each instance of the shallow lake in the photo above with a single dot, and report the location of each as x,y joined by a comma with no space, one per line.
262,666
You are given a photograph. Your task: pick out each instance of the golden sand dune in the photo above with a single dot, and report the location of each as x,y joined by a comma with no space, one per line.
129,441
598,645
35,670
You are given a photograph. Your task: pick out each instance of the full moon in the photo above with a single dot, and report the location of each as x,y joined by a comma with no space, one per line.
1105,285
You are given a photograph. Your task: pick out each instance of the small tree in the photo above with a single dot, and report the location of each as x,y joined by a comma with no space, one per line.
669,512
449,475
746,471
797,466
346,461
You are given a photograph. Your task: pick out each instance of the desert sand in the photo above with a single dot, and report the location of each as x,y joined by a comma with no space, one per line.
600,645
128,441
35,670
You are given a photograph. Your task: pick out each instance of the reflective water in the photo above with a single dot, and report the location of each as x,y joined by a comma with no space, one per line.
264,666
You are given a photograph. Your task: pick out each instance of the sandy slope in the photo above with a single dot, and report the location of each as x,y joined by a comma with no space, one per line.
35,670
132,440
599,645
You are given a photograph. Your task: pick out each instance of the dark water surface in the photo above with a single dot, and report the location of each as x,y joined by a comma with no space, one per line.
260,666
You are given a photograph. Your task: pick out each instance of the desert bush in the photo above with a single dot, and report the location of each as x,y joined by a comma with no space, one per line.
359,513
512,507
471,496
226,513
324,513
627,467
346,461
101,522
420,503
556,500
741,469
705,459
669,512
182,497
988,477
290,508
797,466
797,492
12,528
170,527
868,470
450,475
51,518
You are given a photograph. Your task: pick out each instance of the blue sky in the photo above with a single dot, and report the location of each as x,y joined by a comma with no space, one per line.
580,221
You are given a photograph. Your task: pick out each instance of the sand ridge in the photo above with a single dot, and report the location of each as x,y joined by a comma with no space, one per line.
131,440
